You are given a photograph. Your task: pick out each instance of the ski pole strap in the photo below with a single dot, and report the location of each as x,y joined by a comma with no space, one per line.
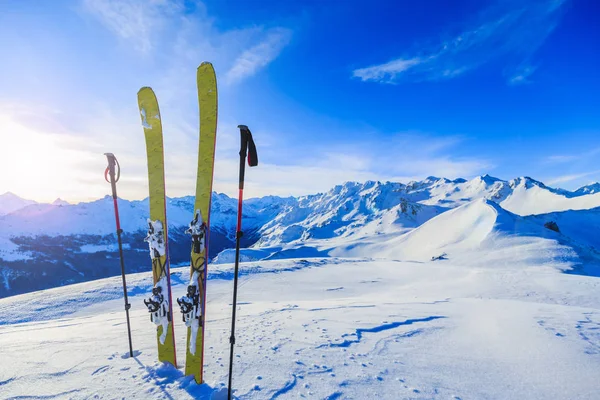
112,169
248,146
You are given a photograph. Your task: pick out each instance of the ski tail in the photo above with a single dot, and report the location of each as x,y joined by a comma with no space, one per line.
157,227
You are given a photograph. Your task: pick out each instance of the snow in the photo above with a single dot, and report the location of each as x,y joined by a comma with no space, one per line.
528,200
439,289
323,328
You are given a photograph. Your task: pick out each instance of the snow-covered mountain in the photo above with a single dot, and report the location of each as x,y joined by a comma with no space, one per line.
479,229
46,245
588,189
10,202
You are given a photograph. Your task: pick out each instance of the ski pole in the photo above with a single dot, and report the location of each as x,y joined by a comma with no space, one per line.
115,169
248,148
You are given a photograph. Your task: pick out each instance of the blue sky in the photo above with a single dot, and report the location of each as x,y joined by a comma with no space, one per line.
333,91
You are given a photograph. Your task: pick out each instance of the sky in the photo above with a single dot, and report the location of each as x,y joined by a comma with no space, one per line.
333,91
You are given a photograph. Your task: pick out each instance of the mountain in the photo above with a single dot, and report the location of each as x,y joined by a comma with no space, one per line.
47,245
351,209
522,196
592,188
10,202
478,229
60,202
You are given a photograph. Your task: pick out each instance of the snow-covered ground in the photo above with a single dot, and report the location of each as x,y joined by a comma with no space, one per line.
437,289
321,328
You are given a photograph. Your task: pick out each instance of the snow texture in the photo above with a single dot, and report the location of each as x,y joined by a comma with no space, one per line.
326,329
438,289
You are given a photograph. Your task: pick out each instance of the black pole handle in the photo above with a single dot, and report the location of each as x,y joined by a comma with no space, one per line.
247,150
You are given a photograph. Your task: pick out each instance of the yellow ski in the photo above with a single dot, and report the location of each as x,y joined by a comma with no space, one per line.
193,305
159,304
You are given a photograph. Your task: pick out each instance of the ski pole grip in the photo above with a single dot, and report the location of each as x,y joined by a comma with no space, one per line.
110,157
113,167
248,147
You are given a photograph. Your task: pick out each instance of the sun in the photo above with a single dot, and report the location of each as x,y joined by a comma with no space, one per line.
36,163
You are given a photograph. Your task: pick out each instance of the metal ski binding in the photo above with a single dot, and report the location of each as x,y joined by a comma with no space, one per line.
158,307
155,238
197,229
190,305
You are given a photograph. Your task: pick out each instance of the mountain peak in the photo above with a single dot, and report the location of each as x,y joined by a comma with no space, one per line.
591,188
10,195
489,179
10,202
60,202
526,182
484,181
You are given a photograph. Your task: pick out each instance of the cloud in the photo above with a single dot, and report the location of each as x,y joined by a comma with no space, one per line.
514,29
567,158
572,177
136,20
181,32
388,72
521,75
259,55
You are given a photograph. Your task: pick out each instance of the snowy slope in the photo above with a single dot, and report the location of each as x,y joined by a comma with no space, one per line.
480,229
325,329
529,197
493,316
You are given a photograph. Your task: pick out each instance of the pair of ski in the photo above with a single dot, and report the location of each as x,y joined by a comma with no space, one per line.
193,303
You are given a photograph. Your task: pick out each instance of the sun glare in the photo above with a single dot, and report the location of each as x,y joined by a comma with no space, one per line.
37,165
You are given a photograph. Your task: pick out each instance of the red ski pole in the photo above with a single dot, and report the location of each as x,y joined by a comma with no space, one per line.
113,171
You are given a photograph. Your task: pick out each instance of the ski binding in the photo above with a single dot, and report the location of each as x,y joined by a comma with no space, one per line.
191,310
158,307
155,238
197,229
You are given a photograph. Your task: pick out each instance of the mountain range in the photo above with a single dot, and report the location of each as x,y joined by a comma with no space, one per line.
49,245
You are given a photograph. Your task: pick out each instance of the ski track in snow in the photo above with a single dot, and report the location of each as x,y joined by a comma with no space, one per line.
358,334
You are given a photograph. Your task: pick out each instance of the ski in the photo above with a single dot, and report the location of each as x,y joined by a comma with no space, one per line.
159,304
193,304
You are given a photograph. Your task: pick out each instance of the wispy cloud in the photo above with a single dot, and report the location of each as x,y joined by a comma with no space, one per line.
521,75
139,21
389,71
571,177
516,29
567,158
259,55
184,30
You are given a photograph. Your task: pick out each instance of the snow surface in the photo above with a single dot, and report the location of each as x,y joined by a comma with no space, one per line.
437,289
324,328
